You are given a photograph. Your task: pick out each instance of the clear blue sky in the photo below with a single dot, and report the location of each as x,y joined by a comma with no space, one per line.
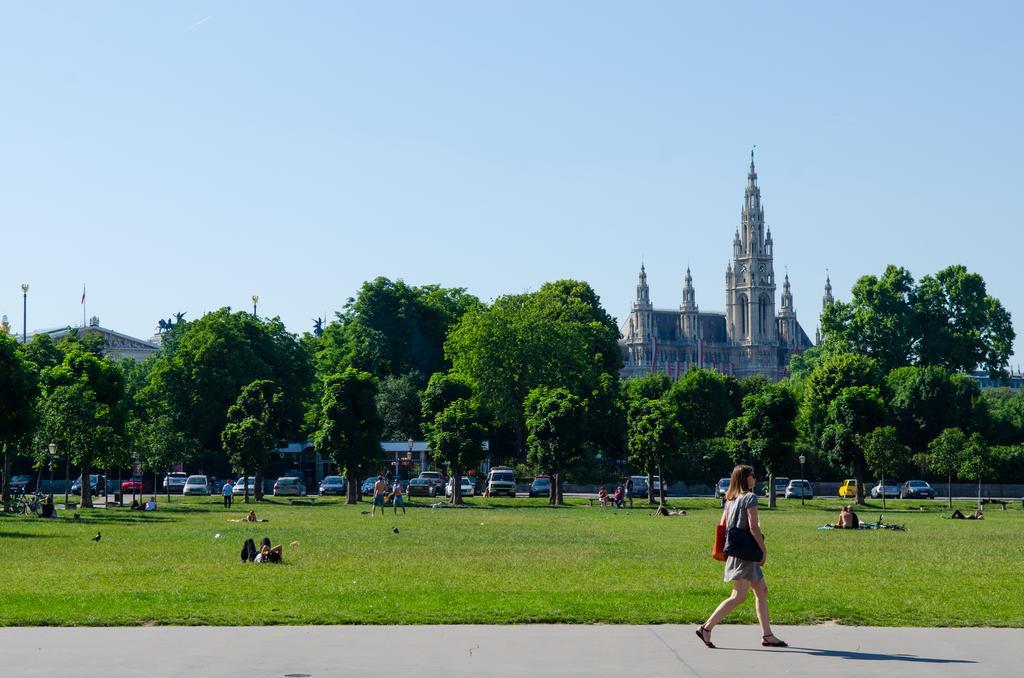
184,156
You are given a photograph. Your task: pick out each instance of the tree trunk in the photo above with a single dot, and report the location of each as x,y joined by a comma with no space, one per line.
661,486
245,484
650,487
257,489
351,490
561,497
553,491
86,489
979,491
456,487
7,480
772,503
949,489
882,486
858,473
167,486
67,478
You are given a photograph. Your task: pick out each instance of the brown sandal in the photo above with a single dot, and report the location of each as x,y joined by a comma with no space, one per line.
768,643
700,634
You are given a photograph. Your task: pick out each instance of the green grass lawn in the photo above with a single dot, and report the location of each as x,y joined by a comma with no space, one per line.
501,561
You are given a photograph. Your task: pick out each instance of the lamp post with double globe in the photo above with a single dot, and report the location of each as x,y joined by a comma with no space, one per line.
24,313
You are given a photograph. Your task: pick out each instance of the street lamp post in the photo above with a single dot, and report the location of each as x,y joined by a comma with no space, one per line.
803,490
67,478
24,312
255,300
411,443
52,447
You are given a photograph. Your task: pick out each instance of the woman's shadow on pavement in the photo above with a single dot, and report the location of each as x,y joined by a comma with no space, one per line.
852,654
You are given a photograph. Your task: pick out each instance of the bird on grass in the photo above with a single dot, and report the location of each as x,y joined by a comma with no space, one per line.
395,530
97,537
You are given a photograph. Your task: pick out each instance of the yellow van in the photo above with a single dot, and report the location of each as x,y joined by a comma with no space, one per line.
848,490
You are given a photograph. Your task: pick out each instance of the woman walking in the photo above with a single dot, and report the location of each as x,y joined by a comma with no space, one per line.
745,575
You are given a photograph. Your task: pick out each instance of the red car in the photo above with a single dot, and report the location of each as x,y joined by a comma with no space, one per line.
136,486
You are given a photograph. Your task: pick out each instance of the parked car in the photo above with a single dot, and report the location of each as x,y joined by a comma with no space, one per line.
196,485
540,487
799,488
721,488
21,483
848,490
175,482
640,485
332,485
421,487
136,485
241,484
501,480
468,489
367,487
289,486
781,483
916,489
97,484
436,479
891,488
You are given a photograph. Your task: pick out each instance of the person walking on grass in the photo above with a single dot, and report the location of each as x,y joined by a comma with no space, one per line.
745,575
380,488
228,492
629,491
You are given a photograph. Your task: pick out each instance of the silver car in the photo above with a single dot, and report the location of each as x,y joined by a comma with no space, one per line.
199,485
289,486
799,488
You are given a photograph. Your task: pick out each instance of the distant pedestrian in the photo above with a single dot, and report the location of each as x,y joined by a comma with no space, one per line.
396,498
380,488
229,493
629,491
741,512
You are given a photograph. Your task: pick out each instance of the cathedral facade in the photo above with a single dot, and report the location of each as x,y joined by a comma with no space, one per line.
749,338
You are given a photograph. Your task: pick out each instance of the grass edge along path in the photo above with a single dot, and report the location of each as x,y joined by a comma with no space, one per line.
501,562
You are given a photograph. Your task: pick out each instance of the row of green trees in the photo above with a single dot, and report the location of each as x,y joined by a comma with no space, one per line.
536,375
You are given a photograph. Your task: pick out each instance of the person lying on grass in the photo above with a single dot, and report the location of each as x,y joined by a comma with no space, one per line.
269,554
665,511
977,515
250,517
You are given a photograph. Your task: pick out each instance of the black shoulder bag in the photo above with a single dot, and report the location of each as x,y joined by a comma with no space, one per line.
740,543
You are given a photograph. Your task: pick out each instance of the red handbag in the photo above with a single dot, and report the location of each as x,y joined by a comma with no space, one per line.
718,552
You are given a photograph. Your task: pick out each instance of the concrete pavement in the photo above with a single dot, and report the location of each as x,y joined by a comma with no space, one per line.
535,650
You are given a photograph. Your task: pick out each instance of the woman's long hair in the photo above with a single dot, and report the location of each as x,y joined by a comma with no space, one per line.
738,481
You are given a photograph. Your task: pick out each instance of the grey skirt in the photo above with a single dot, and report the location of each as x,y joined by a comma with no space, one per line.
737,568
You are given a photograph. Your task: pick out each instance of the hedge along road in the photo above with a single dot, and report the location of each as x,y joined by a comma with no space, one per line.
499,561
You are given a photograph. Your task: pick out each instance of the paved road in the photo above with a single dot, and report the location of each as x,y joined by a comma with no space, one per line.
539,650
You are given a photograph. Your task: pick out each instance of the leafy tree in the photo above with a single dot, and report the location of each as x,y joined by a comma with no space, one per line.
651,386
976,461
701,402
824,385
349,426
765,431
42,352
19,388
855,411
884,453
163,444
456,440
947,320
960,325
398,402
945,456
253,430
391,328
921,400
555,421
83,408
654,437
1006,412
558,336
214,358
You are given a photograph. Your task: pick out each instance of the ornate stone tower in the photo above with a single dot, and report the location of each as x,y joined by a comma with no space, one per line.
826,301
787,317
688,309
641,321
750,278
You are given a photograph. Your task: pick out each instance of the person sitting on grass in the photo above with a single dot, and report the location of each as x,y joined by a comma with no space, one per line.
619,498
48,509
151,504
602,497
268,553
848,519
